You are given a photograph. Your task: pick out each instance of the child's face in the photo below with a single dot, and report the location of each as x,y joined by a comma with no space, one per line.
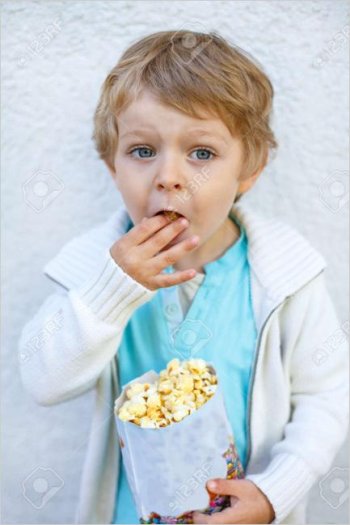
161,161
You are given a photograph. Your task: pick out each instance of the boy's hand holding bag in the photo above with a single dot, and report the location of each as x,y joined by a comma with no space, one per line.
175,435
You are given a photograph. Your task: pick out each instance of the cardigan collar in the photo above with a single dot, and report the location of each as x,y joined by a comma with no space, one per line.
280,258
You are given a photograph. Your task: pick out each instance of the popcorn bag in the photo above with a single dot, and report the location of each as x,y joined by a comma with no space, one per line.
174,436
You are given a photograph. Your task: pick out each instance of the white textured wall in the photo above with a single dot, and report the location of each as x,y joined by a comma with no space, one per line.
49,96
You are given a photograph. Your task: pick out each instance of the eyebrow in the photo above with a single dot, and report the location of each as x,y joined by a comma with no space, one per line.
137,132
205,133
199,132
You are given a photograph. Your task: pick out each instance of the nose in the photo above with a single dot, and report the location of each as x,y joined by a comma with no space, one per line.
169,177
169,185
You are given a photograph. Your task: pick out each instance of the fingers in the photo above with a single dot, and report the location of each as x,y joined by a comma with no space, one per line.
225,516
139,253
173,254
142,231
227,487
165,280
163,237
198,517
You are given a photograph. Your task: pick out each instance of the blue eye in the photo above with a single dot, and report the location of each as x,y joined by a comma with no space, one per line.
144,152
204,152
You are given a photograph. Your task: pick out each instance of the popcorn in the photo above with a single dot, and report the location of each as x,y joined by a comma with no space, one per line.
180,389
146,422
154,400
177,461
171,214
138,388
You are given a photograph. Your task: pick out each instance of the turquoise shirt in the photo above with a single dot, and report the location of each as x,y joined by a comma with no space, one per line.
218,327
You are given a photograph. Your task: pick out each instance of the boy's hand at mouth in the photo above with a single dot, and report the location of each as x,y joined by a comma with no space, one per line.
140,252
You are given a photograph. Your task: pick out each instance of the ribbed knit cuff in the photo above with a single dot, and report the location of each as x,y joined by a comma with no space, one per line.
112,294
285,481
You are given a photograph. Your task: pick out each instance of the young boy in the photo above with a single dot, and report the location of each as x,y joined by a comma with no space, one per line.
182,270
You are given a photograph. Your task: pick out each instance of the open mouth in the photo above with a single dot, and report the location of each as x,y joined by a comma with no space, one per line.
170,214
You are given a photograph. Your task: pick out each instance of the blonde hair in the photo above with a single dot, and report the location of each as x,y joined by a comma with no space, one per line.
191,71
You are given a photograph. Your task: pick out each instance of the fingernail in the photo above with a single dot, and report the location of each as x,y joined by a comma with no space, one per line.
212,485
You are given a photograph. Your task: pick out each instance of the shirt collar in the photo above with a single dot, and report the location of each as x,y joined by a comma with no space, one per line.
281,259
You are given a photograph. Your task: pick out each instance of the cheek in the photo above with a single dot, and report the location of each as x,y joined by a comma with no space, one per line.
210,206
134,196
130,183
213,192
219,178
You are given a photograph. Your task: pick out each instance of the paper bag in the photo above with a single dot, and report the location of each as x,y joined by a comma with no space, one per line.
167,468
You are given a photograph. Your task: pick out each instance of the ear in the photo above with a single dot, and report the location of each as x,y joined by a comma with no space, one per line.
247,182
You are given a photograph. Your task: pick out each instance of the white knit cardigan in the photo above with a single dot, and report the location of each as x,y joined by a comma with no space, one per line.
298,401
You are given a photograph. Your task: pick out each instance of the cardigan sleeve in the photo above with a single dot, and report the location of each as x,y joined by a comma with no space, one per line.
64,348
317,350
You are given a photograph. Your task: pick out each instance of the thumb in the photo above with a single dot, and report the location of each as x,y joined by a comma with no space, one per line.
225,487
198,517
